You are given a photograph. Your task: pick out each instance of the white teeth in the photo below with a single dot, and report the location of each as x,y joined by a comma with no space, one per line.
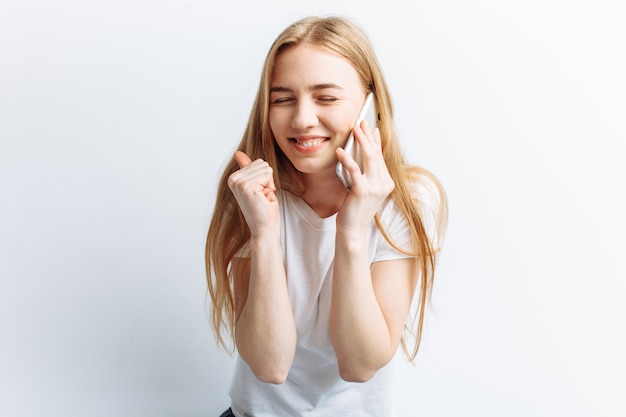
310,142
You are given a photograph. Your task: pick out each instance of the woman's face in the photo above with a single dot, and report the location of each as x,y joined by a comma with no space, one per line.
315,99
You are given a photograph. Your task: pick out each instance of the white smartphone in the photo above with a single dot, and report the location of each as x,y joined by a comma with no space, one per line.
370,113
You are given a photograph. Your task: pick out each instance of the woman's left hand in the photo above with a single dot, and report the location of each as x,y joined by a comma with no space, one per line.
369,188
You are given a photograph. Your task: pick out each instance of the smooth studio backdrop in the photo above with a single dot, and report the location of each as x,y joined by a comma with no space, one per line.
117,116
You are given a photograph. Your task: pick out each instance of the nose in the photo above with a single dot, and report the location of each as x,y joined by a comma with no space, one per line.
304,116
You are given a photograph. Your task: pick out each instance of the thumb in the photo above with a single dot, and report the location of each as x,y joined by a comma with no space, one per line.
242,159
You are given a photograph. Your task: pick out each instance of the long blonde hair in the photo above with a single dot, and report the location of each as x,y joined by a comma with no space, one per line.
228,231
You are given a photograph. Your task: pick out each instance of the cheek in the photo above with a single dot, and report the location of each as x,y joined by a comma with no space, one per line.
272,121
276,127
337,122
343,128
279,116
279,121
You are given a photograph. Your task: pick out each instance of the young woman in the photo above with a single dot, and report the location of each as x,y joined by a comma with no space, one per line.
313,282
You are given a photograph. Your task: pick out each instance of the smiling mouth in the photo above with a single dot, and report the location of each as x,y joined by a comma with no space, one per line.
308,143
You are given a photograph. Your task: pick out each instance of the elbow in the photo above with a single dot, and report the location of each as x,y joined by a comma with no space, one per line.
356,373
269,367
271,375
351,370
275,378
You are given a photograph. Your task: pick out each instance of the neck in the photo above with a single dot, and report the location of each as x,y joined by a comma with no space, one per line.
324,193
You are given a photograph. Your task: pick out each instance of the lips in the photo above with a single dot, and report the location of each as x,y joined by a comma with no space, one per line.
308,144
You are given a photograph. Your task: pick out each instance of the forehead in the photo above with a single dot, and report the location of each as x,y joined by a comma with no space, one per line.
307,64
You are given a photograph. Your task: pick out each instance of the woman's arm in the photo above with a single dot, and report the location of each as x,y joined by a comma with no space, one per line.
369,308
265,331
369,304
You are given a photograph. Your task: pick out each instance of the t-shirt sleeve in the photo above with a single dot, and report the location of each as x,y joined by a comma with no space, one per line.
397,229
432,210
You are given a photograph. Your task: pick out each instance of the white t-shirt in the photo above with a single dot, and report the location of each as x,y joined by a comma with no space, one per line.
313,386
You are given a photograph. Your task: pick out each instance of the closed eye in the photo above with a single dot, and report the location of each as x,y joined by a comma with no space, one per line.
327,99
282,100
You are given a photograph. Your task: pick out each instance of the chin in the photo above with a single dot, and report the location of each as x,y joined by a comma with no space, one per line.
317,168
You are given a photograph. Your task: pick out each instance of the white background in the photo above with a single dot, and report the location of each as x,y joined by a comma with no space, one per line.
116,117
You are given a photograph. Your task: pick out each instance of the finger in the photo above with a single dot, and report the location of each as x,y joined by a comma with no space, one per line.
348,162
263,172
242,159
256,175
367,134
270,194
377,138
365,126
363,137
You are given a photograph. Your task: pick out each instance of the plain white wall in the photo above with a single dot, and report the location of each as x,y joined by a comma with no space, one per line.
116,117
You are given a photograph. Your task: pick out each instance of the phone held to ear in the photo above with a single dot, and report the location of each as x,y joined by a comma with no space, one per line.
370,113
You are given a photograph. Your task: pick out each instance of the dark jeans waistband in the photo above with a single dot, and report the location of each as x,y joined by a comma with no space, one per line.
227,413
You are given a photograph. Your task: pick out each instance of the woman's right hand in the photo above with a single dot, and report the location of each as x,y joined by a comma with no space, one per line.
255,192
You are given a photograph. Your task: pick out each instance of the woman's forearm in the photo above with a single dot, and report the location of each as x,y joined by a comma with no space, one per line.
359,332
265,332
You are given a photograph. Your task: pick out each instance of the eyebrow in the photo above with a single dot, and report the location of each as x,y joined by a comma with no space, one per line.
314,87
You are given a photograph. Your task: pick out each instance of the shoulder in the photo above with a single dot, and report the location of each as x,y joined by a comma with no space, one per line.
432,203
428,192
421,199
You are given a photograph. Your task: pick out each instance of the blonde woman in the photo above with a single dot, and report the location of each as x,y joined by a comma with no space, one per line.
315,284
